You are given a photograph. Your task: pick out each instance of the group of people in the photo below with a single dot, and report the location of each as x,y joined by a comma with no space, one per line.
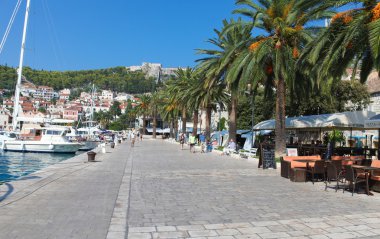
206,145
134,135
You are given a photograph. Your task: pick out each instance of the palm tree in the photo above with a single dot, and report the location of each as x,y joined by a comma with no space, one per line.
218,63
177,89
169,111
207,96
143,109
154,103
351,40
271,58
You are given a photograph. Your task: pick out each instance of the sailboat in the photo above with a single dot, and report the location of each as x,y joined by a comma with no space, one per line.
50,140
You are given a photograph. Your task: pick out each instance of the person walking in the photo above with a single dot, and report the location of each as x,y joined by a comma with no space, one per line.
133,138
192,140
202,139
182,140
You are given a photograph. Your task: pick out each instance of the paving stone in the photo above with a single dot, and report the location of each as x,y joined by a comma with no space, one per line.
166,228
137,235
215,226
169,234
190,227
203,233
253,230
142,229
228,232
271,235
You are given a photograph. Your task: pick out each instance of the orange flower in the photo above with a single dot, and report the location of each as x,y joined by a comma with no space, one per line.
376,12
255,45
298,28
269,69
270,12
344,16
296,53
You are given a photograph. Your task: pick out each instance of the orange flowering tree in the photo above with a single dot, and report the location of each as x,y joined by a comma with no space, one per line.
352,40
271,58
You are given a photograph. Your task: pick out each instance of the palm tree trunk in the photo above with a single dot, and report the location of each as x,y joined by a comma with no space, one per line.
171,128
184,121
195,123
175,128
232,116
144,125
208,122
154,123
280,147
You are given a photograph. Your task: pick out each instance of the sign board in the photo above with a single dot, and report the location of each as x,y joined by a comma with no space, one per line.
292,152
372,124
268,160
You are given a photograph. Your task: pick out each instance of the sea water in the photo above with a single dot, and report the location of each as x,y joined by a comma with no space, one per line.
15,164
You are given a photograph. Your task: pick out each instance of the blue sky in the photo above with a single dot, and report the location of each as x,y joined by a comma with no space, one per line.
85,34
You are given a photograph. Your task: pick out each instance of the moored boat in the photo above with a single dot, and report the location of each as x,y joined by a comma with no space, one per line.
45,140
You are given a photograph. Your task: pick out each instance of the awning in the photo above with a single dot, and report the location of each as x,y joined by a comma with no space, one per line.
344,120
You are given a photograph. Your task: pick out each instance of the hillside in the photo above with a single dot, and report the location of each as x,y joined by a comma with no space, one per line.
117,79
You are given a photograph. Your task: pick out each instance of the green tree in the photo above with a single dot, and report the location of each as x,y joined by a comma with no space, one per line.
351,40
42,110
271,59
115,109
218,64
143,108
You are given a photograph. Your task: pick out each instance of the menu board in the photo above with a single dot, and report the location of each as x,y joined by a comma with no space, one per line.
268,158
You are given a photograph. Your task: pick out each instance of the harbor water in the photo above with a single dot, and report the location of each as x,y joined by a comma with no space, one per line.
14,165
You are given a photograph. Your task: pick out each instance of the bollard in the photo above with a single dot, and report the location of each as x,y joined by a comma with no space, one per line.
119,141
91,156
112,145
103,145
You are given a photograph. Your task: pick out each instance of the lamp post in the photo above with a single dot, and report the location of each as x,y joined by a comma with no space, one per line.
218,126
250,92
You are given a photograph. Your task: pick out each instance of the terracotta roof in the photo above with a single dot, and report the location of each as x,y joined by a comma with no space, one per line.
373,82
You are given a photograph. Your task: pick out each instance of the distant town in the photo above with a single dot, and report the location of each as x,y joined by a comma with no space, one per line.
41,101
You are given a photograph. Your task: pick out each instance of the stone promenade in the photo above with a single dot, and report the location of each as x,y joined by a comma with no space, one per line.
156,190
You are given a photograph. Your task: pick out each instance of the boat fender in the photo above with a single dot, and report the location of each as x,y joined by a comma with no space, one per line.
3,145
51,146
22,146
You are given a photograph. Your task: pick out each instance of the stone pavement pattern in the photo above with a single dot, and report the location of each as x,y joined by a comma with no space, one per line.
72,199
156,190
176,194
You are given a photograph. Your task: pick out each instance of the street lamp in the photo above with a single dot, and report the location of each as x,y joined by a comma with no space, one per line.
250,93
218,126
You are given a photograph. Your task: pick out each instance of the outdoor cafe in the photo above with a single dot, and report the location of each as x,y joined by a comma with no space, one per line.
339,149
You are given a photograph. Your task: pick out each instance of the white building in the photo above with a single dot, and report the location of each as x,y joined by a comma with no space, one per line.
45,92
124,97
5,119
154,70
107,95
373,83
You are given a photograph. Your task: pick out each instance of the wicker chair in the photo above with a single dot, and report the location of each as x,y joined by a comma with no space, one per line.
317,169
334,173
351,176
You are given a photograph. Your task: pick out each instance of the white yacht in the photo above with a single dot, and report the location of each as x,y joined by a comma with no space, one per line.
44,140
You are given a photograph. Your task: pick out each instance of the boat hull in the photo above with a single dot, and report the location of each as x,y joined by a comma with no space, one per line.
38,147
88,145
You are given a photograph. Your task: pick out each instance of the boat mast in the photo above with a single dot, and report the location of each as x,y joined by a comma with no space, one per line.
19,70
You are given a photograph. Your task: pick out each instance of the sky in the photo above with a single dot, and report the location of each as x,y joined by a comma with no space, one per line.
95,34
